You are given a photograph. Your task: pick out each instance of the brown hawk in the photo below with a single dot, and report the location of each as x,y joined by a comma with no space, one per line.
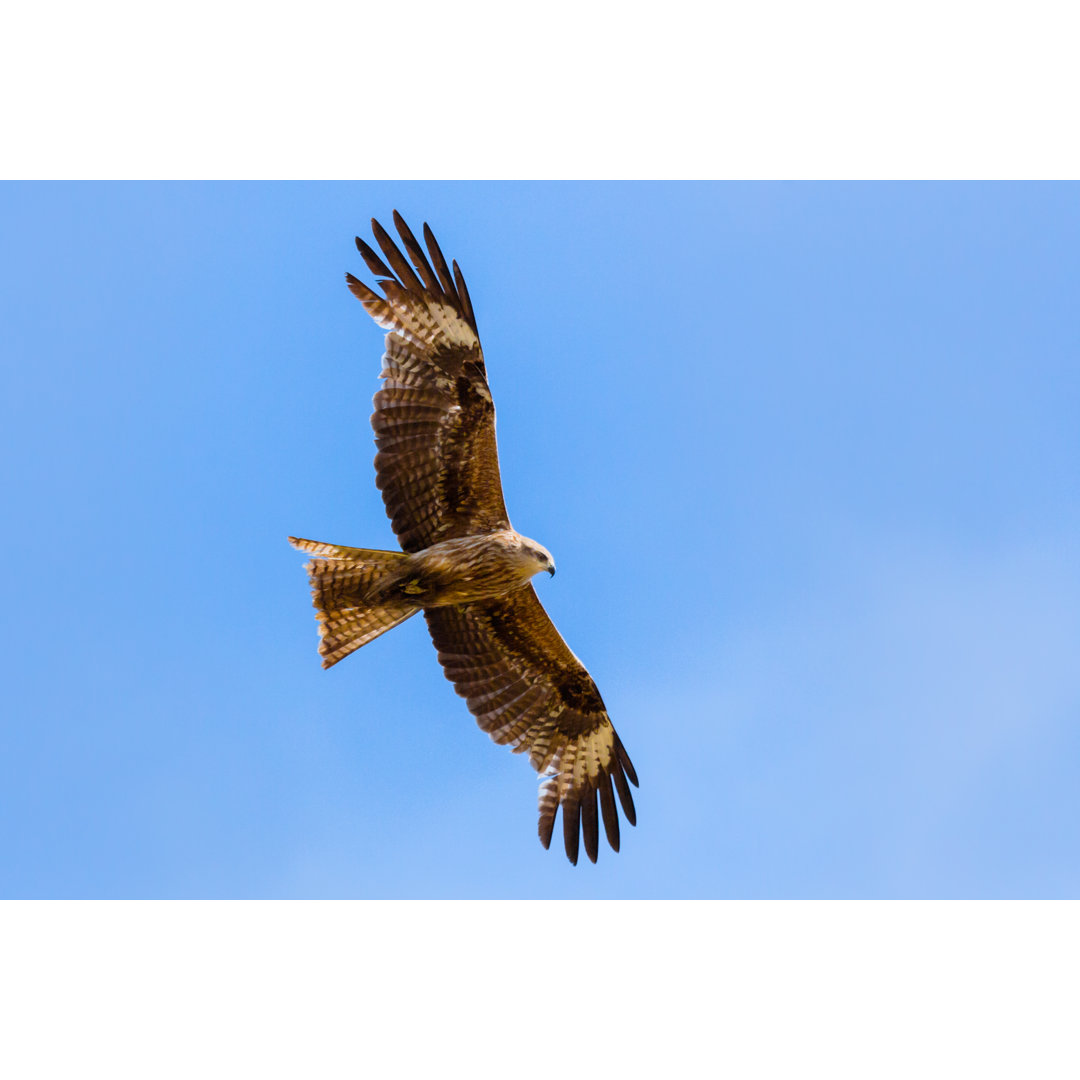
461,562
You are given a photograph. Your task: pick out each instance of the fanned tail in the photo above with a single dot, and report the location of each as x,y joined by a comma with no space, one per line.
345,582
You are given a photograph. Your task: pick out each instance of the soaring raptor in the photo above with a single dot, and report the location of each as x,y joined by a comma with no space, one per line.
462,563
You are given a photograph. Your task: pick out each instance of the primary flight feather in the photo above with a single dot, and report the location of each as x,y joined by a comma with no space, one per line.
462,563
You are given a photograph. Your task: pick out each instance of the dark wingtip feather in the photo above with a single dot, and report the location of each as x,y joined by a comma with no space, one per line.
547,825
439,261
416,253
610,814
394,257
624,757
571,820
360,290
374,263
463,295
590,828
623,789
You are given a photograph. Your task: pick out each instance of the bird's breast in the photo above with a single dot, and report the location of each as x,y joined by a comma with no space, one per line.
467,569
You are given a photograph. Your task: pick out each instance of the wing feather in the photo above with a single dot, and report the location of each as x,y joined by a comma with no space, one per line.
445,278
419,260
437,464
463,295
529,691
374,263
590,830
610,814
394,257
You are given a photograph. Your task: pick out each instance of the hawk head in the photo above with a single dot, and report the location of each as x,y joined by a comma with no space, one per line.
540,555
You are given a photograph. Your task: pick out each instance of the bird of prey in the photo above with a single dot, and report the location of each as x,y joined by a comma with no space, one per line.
462,563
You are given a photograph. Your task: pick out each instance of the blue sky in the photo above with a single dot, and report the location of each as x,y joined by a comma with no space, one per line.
806,456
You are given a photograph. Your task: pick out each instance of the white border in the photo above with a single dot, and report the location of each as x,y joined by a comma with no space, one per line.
581,89
527,989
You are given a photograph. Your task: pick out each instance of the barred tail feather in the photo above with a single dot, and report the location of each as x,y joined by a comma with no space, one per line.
343,580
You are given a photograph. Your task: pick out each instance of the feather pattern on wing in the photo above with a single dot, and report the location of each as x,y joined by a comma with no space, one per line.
528,691
437,465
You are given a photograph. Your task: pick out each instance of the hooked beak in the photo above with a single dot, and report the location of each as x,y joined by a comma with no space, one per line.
551,569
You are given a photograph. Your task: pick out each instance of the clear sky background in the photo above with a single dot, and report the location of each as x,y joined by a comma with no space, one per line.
807,456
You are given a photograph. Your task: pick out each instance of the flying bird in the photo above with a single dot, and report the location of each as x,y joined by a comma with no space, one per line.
462,563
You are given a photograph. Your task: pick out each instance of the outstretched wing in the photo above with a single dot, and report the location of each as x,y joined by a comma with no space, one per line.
434,420
529,691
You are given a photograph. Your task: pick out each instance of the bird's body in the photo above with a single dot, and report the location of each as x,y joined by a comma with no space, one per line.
463,570
472,568
461,562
